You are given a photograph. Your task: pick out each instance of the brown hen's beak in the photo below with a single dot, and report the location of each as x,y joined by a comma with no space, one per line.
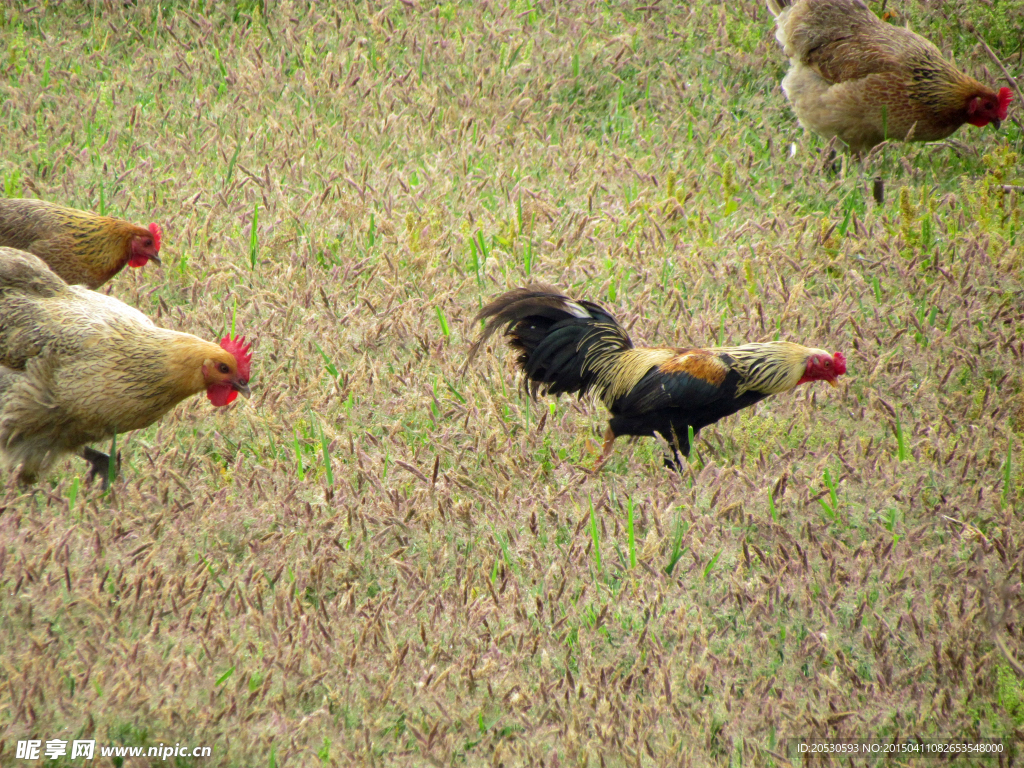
155,260
242,388
833,383
997,122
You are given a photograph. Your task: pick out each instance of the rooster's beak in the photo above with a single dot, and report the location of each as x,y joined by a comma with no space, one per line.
241,388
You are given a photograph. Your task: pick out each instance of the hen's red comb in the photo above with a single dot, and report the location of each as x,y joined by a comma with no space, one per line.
243,357
156,232
1005,97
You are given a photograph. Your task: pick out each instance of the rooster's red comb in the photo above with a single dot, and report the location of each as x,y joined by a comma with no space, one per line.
1005,97
156,232
238,348
839,361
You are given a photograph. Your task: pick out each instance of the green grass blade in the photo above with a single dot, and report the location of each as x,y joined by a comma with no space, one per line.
254,236
630,536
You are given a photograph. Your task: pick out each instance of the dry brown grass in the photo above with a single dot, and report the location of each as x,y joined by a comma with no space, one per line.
832,563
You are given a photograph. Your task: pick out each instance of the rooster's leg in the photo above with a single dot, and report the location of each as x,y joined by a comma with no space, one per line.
100,464
680,446
675,461
606,448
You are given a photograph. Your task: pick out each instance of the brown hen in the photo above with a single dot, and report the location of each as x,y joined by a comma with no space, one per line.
81,247
854,76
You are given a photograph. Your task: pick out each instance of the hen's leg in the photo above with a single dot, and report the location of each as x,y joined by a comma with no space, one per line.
100,464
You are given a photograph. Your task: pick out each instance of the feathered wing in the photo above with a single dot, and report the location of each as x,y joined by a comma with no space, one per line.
842,40
34,427
39,227
691,380
8,378
693,388
99,305
37,424
23,222
23,271
39,311
26,403
26,286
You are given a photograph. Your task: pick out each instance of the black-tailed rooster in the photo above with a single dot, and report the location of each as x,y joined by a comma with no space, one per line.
576,346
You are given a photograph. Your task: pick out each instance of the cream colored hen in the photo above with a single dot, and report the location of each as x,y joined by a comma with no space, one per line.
77,366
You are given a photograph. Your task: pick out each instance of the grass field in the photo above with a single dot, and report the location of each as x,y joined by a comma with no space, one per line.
378,560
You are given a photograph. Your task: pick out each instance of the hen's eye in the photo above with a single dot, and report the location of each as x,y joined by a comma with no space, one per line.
222,367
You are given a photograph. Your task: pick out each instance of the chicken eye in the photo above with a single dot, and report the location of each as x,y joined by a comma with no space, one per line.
223,368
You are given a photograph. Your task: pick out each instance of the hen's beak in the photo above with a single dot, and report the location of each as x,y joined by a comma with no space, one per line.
155,260
242,388
833,383
997,122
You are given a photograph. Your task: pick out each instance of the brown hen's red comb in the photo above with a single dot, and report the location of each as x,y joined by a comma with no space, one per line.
157,233
240,350
1005,97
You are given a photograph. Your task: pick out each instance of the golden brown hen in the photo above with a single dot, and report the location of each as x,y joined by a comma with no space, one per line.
77,366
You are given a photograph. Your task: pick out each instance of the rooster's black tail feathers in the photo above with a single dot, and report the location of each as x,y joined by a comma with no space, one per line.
564,344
